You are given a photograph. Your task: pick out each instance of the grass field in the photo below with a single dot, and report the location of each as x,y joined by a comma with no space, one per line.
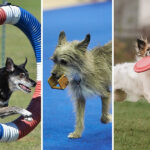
18,47
132,125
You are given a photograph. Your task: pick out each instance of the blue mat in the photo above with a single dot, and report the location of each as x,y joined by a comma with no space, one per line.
58,114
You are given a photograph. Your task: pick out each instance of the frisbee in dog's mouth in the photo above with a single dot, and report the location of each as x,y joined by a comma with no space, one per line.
60,83
24,88
142,65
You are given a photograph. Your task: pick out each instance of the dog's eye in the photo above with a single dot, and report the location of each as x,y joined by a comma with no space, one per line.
63,62
22,75
148,52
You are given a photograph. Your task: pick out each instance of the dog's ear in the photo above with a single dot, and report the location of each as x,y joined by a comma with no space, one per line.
141,44
24,64
9,65
62,38
84,44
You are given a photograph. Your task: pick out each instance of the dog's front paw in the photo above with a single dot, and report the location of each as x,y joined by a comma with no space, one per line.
28,118
106,118
74,135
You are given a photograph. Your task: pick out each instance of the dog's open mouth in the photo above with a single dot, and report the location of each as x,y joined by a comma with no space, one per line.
24,88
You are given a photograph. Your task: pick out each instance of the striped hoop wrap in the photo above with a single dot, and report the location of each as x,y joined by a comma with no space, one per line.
27,23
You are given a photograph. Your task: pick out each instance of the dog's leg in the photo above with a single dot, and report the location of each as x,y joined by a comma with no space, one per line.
106,117
8,111
147,96
80,108
120,95
146,87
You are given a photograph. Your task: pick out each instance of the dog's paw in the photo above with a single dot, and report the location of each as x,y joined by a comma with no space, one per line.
74,135
28,118
25,113
106,118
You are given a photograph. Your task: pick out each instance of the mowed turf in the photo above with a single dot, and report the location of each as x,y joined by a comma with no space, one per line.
18,47
132,125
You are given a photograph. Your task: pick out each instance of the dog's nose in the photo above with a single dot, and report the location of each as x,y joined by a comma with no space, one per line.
54,74
34,84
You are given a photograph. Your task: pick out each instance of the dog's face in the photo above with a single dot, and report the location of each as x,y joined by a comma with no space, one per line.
69,57
18,76
143,48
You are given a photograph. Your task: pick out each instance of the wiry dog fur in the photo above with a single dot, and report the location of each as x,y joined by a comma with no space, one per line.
129,84
88,72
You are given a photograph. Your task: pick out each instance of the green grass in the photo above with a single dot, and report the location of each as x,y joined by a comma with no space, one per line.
132,125
18,47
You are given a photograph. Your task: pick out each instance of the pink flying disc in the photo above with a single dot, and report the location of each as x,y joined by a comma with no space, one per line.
142,65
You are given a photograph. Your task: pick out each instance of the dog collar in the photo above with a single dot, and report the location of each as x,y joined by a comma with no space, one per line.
78,81
73,81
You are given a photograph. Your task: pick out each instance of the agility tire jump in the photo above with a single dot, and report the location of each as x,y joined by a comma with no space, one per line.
27,23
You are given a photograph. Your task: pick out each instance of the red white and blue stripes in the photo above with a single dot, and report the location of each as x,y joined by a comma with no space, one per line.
32,29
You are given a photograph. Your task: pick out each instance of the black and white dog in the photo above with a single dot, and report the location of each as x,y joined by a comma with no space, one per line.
14,77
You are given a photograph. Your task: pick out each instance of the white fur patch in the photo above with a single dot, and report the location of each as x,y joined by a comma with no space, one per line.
136,85
79,88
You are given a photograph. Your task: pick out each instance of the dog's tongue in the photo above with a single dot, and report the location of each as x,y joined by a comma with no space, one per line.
142,65
25,88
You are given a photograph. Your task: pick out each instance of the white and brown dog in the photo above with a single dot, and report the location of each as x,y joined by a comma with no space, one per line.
131,85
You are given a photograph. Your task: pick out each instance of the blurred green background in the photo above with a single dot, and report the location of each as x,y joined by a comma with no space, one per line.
18,47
